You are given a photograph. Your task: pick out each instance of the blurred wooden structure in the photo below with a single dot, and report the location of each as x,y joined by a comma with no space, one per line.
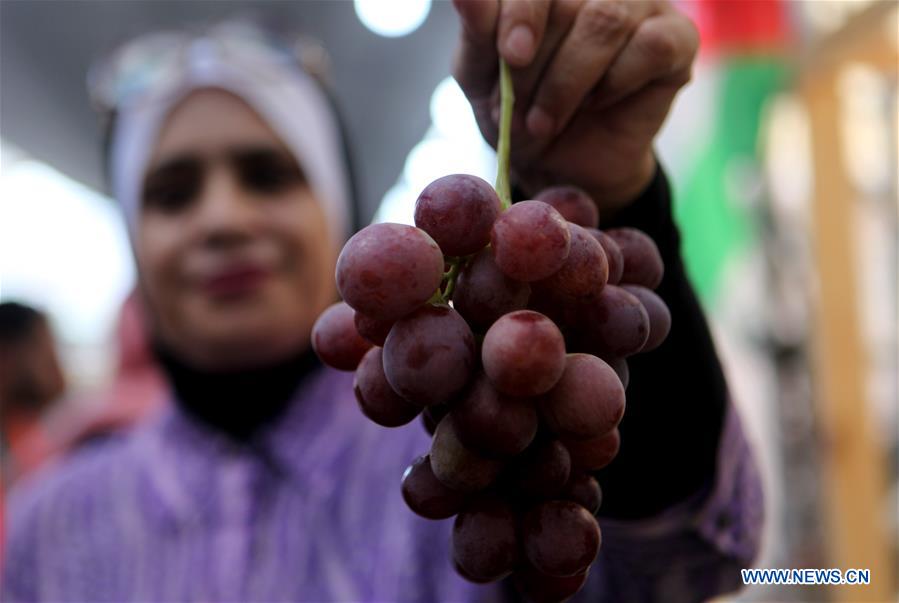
855,465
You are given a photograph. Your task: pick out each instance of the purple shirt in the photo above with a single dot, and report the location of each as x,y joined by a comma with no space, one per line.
313,512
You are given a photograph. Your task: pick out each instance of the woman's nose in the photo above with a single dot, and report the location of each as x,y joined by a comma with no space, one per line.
225,211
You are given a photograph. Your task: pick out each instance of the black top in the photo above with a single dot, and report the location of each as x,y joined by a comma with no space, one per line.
238,403
677,393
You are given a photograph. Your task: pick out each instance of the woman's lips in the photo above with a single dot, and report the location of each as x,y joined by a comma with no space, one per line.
236,281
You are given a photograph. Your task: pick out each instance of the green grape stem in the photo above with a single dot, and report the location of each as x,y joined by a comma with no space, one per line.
507,102
503,189
451,279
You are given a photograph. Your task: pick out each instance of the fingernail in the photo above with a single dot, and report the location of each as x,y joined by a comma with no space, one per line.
540,123
519,44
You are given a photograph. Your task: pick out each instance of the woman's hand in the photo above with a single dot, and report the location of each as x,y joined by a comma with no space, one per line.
593,79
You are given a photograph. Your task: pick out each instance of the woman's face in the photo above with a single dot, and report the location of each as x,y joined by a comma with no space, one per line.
233,249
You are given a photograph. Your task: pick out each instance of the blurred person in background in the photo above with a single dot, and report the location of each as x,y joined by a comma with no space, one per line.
39,421
31,383
262,481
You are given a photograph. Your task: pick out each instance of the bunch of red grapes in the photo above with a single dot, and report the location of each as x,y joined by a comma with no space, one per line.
508,331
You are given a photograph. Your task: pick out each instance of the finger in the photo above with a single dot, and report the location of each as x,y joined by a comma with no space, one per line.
662,49
478,18
520,30
634,122
600,31
637,118
475,65
561,17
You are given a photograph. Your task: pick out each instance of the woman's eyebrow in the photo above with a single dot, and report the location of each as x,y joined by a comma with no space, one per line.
239,155
261,151
250,154
175,162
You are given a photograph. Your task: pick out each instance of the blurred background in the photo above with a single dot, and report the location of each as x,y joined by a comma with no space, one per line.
783,151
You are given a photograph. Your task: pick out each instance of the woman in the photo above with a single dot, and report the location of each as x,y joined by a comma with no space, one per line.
265,482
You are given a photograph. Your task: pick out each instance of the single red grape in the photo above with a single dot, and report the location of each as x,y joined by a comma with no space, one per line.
592,455
584,272
642,260
613,255
335,339
561,538
573,203
429,355
458,466
458,211
530,241
587,401
376,398
615,325
484,293
494,423
583,489
485,543
523,353
426,495
659,315
388,270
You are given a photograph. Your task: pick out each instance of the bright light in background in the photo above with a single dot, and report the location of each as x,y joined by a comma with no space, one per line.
436,156
451,112
63,248
452,145
392,18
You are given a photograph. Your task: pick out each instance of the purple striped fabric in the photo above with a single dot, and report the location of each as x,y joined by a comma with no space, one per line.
313,512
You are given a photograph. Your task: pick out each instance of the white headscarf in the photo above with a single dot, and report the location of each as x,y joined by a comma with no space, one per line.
283,95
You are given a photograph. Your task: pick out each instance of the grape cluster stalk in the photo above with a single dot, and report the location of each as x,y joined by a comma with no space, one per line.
507,328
